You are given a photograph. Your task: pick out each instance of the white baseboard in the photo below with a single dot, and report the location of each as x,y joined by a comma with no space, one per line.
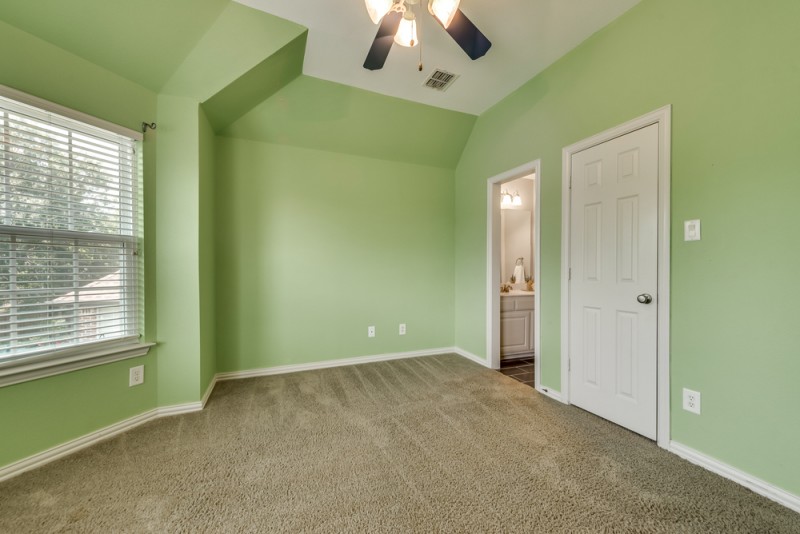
750,482
209,389
59,451
295,368
87,440
547,392
474,357
178,409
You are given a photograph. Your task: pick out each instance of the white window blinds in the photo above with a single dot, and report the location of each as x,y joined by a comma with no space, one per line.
69,221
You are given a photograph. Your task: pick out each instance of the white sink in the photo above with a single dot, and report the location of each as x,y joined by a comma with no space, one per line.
518,293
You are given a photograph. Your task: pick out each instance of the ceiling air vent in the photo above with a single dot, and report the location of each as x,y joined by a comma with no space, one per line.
440,80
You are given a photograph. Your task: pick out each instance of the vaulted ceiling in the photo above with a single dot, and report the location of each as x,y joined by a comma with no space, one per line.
526,35
291,72
142,40
164,43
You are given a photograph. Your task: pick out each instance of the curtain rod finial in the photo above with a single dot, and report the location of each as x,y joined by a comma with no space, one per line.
146,125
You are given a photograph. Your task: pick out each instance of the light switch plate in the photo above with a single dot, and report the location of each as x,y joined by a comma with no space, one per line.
691,230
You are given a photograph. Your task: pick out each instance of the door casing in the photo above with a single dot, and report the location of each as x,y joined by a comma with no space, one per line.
493,187
661,117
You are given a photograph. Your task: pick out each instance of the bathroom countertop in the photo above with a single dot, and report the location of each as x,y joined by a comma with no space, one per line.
518,293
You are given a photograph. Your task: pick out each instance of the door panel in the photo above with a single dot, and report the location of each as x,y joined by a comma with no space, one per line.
591,343
613,249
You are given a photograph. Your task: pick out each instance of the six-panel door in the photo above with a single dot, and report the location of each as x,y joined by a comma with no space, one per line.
613,261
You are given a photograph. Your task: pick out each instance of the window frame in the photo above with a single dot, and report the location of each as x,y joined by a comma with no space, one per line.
50,362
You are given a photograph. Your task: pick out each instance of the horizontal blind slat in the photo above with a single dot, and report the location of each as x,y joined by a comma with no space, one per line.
56,121
62,163
20,134
62,235
28,189
58,342
24,167
109,324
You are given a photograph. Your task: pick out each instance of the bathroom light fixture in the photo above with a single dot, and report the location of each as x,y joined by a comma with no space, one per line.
507,200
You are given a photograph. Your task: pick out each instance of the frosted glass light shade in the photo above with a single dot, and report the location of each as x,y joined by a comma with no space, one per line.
444,10
517,199
378,8
505,199
407,33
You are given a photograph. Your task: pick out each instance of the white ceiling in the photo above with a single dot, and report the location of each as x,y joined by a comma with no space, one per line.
526,35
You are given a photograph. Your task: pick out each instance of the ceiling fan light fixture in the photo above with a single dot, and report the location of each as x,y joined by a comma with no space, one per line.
378,8
407,32
444,10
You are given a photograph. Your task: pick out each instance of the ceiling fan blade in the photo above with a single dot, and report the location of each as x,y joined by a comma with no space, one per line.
468,36
382,44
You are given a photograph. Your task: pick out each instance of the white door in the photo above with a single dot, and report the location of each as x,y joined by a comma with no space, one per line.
613,251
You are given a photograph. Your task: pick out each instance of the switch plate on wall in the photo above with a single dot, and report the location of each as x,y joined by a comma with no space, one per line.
370,331
402,330
691,230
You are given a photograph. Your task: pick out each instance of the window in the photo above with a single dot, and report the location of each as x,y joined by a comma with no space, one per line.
69,229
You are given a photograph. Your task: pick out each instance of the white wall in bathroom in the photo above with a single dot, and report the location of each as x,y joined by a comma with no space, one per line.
516,231
516,225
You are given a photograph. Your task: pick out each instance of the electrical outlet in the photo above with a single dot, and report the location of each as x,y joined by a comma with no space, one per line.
691,230
136,376
691,401
370,331
402,331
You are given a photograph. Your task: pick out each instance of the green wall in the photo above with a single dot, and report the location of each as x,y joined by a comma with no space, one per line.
177,250
239,39
731,71
143,41
208,358
322,115
40,414
314,246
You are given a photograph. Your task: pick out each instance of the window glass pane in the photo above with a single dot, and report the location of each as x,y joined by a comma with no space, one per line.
69,220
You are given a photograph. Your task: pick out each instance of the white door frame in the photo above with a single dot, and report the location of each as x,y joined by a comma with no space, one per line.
662,117
493,263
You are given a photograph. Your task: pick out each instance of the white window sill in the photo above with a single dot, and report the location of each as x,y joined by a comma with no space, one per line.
56,363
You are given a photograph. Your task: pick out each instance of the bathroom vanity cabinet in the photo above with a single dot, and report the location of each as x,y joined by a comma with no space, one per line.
516,325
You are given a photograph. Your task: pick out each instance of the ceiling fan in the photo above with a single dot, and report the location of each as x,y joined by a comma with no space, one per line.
398,25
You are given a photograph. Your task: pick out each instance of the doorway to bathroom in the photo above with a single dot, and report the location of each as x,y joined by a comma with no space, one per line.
513,267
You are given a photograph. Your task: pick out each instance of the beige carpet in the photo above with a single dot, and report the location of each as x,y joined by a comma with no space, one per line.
422,445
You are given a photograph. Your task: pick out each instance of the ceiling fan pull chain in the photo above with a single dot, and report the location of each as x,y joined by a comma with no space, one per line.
419,38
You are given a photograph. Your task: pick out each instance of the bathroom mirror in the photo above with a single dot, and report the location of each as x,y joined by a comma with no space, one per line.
516,230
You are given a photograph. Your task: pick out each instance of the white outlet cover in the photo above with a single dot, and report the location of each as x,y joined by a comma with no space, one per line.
691,230
402,330
370,331
691,401
136,376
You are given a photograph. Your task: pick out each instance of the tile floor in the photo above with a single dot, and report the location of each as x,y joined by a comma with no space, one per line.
520,370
